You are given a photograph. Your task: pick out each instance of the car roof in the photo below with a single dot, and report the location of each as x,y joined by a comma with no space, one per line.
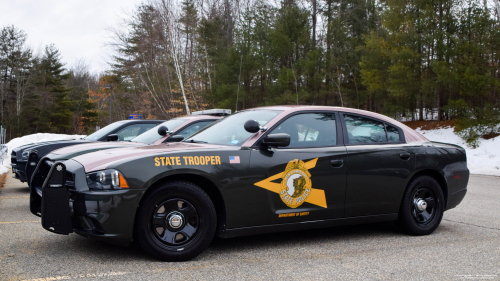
140,120
410,134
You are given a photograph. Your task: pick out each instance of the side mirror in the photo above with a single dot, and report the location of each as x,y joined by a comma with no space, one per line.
162,130
252,126
275,140
113,137
176,138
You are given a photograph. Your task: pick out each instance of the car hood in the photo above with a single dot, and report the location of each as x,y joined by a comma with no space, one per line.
80,149
99,160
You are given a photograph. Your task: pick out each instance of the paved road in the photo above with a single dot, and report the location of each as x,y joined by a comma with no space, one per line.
466,246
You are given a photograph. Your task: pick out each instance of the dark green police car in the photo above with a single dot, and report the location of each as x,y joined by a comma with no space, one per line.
259,170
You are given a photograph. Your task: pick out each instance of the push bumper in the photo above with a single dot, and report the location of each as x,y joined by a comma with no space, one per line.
64,208
31,165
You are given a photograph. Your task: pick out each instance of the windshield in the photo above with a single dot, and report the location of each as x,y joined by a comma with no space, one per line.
152,135
230,130
104,131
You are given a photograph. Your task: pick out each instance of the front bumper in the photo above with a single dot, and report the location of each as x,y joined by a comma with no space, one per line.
19,170
66,205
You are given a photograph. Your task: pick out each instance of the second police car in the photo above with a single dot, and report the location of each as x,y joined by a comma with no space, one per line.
173,130
259,170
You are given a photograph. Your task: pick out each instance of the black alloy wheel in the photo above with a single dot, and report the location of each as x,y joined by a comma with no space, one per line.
176,221
422,206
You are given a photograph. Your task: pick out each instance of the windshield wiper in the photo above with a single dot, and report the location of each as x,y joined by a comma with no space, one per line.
196,141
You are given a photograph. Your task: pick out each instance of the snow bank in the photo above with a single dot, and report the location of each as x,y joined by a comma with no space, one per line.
40,137
483,160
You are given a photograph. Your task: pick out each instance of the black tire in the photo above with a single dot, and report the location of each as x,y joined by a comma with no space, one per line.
423,192
189,221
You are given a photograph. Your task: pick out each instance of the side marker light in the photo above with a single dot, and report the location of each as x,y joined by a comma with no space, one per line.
123,182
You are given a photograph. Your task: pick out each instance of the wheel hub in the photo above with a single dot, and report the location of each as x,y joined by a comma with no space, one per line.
175,220
421,205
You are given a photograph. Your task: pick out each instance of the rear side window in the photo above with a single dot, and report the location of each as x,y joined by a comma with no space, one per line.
364,130
392,133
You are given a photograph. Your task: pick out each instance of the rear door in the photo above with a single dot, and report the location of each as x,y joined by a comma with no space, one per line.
306,180
380,163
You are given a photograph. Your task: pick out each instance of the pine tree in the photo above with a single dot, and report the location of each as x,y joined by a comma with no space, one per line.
54,76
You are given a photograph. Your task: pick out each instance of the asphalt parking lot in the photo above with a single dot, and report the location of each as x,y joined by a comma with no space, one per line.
465,247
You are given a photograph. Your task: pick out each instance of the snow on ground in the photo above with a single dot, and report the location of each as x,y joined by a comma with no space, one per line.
483,160
40,137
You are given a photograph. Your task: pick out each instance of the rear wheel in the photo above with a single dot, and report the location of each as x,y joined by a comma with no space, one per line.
176,221
422,207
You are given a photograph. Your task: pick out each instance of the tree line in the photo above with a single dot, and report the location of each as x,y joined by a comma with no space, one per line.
408,59
38,94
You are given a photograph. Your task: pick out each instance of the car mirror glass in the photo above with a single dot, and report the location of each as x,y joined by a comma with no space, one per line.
112,137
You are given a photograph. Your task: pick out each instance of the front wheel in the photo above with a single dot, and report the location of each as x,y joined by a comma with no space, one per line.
422,207
176,221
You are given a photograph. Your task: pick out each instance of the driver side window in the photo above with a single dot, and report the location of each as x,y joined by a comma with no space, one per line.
191,129
133,131
309,130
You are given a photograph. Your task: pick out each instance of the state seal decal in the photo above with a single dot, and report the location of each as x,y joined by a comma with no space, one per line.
296,185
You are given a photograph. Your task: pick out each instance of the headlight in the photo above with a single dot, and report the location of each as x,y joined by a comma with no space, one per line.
26,154
107,179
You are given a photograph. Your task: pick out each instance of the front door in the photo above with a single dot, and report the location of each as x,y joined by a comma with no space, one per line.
305,181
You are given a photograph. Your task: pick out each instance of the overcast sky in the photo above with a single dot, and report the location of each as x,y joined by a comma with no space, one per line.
78,28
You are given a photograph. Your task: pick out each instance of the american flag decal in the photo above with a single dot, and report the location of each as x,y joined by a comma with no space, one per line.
234,159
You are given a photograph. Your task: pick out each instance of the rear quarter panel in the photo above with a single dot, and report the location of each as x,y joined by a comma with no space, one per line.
451,162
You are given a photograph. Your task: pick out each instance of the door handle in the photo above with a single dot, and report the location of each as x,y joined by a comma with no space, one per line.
405,155
337,163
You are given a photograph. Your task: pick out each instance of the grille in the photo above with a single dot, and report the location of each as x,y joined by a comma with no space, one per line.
70,177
